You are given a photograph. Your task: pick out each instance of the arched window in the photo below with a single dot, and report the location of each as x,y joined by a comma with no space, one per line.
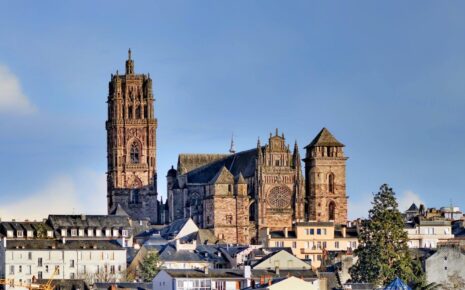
331,183
135,154
332,211
130,112
138,112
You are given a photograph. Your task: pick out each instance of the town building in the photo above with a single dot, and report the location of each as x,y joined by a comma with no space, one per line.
240,193
445,267
23,261
313,241
425,233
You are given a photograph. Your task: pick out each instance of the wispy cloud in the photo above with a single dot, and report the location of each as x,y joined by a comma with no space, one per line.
359,208
81,192
12,98
407,198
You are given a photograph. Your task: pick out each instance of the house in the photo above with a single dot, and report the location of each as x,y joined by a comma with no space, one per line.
282,260
227,279
447,264
312,240
287,284
426,233
26,260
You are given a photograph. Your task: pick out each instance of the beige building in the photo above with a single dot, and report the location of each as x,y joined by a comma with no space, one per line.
312,240
424,233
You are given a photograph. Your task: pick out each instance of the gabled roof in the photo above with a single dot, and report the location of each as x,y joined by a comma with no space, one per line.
120,211
86,221
413,207
189,162
325,138
175,229
223,177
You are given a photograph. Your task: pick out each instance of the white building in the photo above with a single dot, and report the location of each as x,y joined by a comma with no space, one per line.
23,261
428,233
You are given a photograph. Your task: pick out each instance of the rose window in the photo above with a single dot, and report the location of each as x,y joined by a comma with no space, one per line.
279,197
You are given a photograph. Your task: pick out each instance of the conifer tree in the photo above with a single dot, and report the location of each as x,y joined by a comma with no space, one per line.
150,266
383,253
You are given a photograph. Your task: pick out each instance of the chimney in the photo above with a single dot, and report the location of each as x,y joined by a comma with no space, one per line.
344,232
83,217
268,232
64,240
286,232
276,270
205,270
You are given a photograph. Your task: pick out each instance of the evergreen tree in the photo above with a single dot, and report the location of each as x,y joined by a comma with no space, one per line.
150,266
383,253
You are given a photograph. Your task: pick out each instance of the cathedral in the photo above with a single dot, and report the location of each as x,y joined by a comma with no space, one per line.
235,195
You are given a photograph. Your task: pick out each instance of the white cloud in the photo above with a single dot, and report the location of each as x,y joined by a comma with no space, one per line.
82,192
407,198
359,208
12,98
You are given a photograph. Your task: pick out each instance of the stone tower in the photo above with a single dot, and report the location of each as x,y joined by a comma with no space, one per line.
325,174
131,145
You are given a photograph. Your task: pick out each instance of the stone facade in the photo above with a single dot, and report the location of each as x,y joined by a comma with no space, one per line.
131,145
325,172
238,194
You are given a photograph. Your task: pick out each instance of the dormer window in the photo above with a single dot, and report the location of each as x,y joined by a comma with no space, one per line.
30,234
63,232
19,234
115,232
90,232
108,232
73,232
81,232
125,233
9,234
98,232
50,234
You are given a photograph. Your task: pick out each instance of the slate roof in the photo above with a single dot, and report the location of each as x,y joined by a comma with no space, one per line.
68,245
212,273
88,221
172,230
22,226
316,224
243,162
170,254
324,138
413,208
280,234
189,162
306,274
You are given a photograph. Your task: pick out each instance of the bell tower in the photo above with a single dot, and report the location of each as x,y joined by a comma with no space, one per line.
325,179
131,145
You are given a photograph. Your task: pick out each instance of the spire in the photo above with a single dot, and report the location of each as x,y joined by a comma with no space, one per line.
296,155
232,149
276,132
259,151
129,64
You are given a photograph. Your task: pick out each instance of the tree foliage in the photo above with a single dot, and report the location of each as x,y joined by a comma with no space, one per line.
150,266
383,253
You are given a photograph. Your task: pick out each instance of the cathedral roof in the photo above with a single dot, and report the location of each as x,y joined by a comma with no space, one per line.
325,138
239,163
189,162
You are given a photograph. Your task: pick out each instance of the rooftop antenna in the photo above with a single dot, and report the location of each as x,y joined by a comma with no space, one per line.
232,149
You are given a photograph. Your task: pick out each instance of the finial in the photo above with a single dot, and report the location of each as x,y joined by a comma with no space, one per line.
232,150
117,73
258,142
282,135
276,131
129,54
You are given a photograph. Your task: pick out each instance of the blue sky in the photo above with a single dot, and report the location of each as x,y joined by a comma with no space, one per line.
387,78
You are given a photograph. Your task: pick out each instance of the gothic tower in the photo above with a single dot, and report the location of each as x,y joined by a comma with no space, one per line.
325,177
131,145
